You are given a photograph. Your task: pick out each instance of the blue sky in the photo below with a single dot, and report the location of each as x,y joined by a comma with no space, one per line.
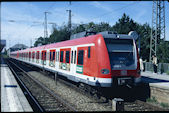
29,16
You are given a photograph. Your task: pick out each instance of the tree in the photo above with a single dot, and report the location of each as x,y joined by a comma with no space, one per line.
123,26
162,51
40,41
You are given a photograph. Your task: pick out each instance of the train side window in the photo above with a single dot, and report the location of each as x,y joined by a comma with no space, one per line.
45,55
72,58
89,52
29,54
67,56
53,55
80,57
75,58
38,54
41,55
61,56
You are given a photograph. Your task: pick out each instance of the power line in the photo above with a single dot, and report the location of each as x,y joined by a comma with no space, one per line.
113,11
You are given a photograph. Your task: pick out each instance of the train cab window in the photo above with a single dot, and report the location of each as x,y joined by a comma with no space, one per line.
67,56
75,58
72,58
61,56
89,52
80,57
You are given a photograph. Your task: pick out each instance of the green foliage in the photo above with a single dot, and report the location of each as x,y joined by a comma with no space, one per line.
152,100
167,72
41,41
163,52
165,105
123,26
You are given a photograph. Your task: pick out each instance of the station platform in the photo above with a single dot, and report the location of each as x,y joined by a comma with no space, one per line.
155,79
12,97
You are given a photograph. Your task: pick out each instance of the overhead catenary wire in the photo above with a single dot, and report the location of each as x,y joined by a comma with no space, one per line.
118,9
28,28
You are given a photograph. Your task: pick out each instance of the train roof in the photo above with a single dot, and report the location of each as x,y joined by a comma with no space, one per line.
84,40
79,41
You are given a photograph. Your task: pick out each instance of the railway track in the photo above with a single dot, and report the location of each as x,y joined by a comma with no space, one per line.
49,101
136,105
33,102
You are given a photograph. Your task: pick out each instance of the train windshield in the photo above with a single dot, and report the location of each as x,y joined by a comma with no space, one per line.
122,53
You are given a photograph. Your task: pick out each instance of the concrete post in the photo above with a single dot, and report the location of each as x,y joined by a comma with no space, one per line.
117,104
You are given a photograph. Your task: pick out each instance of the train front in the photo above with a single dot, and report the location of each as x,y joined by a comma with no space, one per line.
124,59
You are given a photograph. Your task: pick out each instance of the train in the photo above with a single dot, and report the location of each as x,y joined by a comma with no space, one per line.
101,59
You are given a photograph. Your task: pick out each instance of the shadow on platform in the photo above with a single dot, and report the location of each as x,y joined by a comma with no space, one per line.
152,80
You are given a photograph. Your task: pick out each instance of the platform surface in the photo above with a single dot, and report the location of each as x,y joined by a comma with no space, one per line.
156,79
12,97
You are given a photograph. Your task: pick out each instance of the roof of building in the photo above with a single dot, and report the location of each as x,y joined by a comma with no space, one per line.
20,46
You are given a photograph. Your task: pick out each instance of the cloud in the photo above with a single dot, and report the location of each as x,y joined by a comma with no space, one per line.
101,6
20,33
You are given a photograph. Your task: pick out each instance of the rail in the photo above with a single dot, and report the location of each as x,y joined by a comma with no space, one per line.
129,106
36,106
48,90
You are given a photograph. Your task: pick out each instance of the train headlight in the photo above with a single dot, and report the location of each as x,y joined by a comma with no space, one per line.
105,71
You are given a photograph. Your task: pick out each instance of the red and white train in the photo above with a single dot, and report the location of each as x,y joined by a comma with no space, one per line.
102,59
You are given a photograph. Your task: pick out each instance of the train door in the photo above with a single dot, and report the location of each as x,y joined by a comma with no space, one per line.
29,56
65,59
43,57
52,58
73,60
37,57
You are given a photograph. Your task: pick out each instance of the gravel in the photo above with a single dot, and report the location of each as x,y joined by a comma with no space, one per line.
81,102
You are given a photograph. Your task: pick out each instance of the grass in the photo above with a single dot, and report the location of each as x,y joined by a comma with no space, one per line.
4,55
167,72
152,100
165,105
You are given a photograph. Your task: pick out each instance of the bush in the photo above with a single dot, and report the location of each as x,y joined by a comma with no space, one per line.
165,105
167,72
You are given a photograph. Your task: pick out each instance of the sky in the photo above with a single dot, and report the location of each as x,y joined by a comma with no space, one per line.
22,22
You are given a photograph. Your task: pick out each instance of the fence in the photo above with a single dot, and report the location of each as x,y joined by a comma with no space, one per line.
161,68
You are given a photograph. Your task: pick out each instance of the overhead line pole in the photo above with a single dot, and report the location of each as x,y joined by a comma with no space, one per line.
45,25
69,21
158,26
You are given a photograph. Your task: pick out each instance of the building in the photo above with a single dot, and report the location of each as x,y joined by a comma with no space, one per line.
3,44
